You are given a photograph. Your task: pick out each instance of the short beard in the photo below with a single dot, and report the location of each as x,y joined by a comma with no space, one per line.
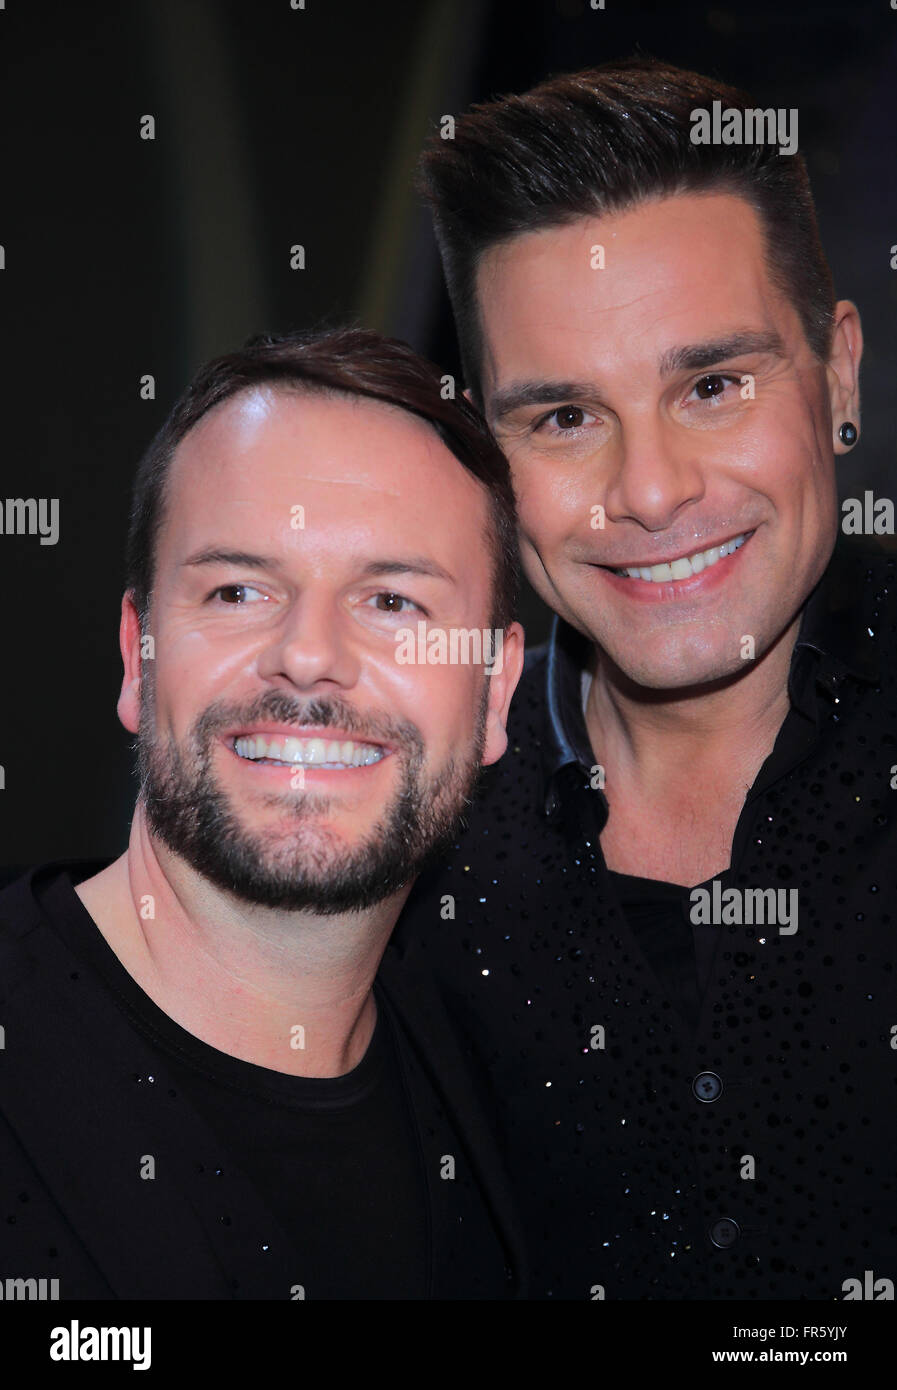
299,867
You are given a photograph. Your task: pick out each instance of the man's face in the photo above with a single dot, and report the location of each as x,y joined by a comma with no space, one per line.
656,409
301,532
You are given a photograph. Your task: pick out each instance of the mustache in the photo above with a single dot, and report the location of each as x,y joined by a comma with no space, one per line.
327,713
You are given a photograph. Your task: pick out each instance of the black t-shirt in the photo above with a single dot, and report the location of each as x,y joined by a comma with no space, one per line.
658,914
340,1162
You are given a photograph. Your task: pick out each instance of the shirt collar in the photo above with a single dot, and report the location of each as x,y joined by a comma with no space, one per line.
833,626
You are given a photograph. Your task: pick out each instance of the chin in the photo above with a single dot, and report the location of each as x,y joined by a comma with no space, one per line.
682,672
314,833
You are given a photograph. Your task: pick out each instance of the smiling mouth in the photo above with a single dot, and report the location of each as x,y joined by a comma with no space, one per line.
308,752
686,566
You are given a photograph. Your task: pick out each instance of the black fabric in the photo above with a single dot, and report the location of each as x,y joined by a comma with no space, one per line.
636,1176
337,1158
385,1183
657,913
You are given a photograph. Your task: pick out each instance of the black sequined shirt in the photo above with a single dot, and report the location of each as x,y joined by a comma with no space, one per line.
712,1117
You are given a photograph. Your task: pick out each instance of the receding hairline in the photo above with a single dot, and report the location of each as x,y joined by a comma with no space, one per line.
299,387
275,386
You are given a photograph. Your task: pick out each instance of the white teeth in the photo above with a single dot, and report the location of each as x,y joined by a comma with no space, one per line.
308,752
685,567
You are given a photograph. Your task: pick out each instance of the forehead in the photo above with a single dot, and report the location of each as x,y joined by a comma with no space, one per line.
674,270
352,463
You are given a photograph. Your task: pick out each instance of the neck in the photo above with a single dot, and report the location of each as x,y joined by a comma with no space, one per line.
290,991
663,738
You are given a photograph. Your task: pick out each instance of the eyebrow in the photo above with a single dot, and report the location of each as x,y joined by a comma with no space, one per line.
699,355
243,559
412,564
693,357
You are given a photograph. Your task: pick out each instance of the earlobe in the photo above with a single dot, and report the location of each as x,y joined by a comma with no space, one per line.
496,740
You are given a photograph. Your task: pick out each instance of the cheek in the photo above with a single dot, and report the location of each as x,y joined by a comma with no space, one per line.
552,505
191,671
781,428
441,700
785,458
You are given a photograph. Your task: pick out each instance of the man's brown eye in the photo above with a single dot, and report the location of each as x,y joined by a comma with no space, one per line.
569,417
710,386
232,593
391,600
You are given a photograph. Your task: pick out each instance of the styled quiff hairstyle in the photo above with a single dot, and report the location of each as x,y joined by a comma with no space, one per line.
601,141
349,362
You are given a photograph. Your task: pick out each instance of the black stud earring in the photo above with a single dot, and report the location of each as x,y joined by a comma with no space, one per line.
848,433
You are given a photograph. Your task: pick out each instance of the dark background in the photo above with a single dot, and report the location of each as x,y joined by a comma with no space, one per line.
277,126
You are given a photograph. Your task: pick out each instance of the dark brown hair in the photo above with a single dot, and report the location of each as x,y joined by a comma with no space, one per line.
349,361
600,141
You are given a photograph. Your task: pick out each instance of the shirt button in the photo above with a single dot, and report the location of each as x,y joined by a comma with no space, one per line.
725,1232
707,1086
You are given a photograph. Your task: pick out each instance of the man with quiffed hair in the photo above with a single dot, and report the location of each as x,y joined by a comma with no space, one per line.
674,938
